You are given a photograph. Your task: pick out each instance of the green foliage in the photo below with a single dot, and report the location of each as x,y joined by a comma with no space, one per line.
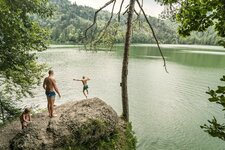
120,139
215,129
218,96
199,15
125,140
8,109
131,139
70,21
20,34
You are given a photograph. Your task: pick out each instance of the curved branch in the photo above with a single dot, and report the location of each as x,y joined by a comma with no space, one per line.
121,5
102,32
95,16
153,35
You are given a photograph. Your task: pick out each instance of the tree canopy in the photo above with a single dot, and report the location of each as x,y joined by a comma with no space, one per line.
70,20
20,34
198,15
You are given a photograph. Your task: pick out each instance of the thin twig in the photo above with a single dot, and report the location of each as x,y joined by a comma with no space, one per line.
121,5
153,35
136,12
103,31
92,34
95,16
125,11
138,16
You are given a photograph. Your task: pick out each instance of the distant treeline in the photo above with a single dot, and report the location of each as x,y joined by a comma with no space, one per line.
70,21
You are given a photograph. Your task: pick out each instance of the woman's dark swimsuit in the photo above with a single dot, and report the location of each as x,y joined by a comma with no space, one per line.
50,93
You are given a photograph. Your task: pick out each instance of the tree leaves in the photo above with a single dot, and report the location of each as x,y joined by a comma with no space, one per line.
198,15
215,129
20,36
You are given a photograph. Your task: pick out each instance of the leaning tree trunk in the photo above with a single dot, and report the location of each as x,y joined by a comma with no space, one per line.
125,114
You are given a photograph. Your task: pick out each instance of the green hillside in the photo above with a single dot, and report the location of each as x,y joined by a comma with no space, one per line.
70,21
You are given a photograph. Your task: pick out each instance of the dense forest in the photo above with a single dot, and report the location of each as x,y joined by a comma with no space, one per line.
70,21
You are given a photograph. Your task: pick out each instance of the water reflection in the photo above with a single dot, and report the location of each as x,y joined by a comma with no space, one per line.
185,56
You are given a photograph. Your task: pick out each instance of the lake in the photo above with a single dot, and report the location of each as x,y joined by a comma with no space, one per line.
166,109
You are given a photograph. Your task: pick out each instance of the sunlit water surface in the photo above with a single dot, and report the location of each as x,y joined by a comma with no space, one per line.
166,109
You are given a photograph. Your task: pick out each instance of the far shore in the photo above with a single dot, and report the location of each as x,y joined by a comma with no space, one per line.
165,46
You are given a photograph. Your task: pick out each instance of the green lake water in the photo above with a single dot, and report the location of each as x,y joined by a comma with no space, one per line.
166,109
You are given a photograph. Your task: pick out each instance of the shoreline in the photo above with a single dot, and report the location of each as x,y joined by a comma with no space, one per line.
165,46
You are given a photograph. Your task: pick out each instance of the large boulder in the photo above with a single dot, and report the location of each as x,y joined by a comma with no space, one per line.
77,123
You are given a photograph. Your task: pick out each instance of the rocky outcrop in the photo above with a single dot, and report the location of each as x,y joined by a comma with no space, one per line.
77,123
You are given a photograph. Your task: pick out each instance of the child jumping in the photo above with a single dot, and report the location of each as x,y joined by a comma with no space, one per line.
25,118
85,85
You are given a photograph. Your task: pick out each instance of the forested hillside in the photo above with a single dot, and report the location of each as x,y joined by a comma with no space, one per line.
70,21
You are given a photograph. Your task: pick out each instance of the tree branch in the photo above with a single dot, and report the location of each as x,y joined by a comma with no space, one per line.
102,32
121,5
95,16
138,15
125,11
153,34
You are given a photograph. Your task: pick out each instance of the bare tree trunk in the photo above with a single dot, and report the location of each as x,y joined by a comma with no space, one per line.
125,114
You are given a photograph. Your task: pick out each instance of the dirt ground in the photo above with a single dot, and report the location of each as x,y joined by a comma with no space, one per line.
8,131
